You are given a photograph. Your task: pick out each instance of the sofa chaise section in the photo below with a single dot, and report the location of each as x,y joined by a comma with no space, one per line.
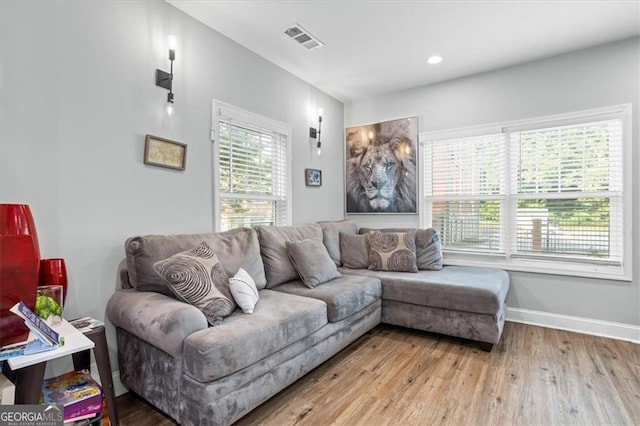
466,302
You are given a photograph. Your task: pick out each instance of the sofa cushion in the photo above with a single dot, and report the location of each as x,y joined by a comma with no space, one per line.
344,296
462,288
312,261
244,291
279,320
354,250
197,277
428,246
235,248
273,247
331,236
392,251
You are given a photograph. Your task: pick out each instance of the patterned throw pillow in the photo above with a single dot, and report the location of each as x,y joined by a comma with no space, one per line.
393,251
198,278
244,291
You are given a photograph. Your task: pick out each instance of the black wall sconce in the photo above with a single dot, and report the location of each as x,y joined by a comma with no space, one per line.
315,133
165,79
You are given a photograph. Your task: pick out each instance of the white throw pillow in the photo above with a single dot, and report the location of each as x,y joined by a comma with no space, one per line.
244,291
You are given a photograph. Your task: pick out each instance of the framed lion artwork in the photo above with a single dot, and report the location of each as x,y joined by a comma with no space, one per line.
381,167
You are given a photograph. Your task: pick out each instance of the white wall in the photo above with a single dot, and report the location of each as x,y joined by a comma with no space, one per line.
78,96
590,78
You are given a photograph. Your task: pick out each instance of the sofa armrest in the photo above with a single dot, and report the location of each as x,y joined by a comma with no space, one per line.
155,318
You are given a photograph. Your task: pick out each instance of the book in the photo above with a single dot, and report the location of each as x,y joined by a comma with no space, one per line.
76,391
86,323
38,326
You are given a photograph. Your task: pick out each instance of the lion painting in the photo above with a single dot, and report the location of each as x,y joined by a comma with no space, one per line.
381,167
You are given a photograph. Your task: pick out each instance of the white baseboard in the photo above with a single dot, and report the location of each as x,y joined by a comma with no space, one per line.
613,330
118,387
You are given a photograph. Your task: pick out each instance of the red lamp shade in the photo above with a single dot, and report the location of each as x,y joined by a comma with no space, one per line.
54,272
19,262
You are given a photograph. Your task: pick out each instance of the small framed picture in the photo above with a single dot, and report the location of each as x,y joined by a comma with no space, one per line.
313,177
165,153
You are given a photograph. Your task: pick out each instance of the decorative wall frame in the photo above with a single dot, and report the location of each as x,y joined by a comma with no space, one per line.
165,153
381,170
313,177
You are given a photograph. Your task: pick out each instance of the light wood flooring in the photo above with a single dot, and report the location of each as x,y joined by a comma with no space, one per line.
396,376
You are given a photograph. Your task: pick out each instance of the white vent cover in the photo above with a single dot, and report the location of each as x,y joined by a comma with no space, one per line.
303,37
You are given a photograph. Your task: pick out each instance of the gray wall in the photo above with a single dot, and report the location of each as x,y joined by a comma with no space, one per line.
77,98
590,78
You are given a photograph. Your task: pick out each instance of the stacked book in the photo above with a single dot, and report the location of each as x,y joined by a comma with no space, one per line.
76,391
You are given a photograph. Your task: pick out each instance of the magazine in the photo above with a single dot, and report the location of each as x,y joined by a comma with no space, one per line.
46,338
77,391
86,323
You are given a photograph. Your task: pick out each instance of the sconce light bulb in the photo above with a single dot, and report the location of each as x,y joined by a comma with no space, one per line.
319,151
320,111
170,109
172,42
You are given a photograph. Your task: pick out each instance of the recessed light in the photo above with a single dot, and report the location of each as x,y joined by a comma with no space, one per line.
434,60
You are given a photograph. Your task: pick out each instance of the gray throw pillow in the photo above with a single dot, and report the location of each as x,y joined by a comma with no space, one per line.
198,278
331,236
312,261
429,249
393,251
354,250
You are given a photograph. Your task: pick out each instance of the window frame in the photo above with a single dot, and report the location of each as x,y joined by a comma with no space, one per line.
515,262
221,109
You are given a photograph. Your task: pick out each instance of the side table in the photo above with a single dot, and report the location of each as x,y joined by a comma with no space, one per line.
27,371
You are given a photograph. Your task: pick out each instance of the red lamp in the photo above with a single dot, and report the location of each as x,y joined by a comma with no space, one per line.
19,263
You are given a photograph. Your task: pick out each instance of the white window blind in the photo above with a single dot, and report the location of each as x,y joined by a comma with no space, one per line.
568,191
253,176
546,193
466,189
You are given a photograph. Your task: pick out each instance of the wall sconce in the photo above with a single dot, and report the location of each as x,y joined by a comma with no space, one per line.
165,79
315,134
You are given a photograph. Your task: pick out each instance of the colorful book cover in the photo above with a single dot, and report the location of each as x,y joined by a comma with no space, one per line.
74,390
87,408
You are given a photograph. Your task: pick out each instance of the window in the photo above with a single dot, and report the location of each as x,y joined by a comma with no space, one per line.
544,195
251,173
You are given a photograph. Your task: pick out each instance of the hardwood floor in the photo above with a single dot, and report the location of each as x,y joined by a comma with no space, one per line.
396,376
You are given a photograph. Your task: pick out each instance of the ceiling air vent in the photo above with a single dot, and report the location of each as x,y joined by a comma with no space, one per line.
303,37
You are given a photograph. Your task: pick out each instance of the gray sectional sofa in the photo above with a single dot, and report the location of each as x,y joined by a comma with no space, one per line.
201,374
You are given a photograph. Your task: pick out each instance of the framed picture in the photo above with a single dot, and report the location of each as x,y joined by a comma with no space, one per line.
381,170
313,177
165,153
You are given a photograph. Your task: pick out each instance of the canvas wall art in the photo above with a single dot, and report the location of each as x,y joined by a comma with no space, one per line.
381,167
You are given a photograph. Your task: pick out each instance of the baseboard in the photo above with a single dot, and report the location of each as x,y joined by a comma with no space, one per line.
613,330
118,387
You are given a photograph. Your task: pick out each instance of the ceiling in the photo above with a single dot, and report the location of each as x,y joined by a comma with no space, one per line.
375,47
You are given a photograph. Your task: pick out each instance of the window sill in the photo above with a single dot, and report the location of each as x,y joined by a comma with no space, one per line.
572,269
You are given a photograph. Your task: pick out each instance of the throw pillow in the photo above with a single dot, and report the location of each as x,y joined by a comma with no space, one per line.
198,278
393,251
312,261
354,250
244,291
429,249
